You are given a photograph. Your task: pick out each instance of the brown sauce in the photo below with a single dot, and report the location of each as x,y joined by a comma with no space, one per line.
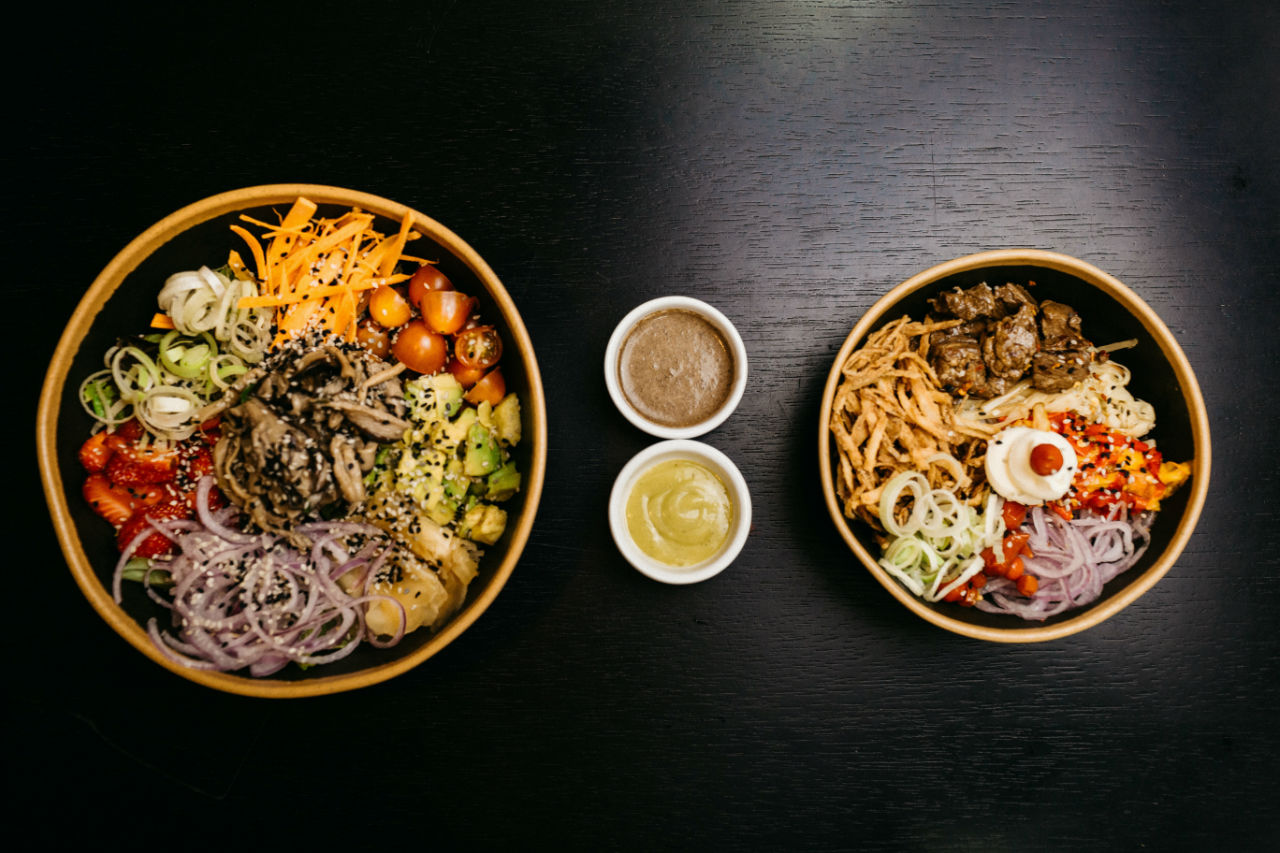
675,368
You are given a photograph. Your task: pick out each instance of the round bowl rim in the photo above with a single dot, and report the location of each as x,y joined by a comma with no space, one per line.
717,319
1197,489
680,448
105,285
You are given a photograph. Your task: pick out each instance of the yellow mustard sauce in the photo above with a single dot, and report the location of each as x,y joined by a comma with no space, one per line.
678,512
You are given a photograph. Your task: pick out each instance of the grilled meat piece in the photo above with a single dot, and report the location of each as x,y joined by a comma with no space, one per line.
1006,335
1053,370
1010,344
957,361
993,387
1060,327
1065,352
972,303
1012,297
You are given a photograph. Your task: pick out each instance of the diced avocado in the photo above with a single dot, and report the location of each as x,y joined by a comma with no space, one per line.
483,523
407,463
448,435
506,420
503,483
481,456
439,506
434,398
456,482
484,413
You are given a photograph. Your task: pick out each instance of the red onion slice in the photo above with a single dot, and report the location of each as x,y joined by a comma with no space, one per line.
251,600
1073,559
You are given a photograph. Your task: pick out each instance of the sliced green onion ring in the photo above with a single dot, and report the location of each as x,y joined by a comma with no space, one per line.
937,548
223,369
170,411
134,380
101,400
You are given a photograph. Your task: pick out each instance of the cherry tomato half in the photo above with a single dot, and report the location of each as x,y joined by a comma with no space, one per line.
445,310
374,337
419,348
491,389
466,376
478,347
389,307
426,279
1045,459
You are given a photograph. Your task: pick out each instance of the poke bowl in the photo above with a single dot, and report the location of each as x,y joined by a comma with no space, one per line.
966,581
122,301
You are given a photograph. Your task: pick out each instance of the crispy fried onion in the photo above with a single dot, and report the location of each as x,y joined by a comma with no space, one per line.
891,415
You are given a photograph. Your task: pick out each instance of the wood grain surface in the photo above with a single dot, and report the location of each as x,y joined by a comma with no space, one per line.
788,162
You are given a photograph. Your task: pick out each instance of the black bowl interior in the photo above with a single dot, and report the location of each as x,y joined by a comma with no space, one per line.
129,310
1105,320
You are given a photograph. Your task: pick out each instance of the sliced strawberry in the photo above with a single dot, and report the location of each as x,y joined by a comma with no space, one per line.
157,543
155,493
112,503
196,463
95,452
140,466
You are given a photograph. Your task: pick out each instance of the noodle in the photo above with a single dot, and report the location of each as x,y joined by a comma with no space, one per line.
1103,397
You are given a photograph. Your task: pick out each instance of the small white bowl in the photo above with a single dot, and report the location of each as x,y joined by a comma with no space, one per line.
713,316
722,467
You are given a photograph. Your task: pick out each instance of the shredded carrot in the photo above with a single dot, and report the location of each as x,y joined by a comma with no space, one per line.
255,249
319,292
393,253
237,264
314,270
161,321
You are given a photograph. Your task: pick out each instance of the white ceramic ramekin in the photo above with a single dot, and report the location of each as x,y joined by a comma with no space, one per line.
718,463
713,316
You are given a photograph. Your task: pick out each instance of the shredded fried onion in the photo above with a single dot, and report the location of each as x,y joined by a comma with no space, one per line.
891,415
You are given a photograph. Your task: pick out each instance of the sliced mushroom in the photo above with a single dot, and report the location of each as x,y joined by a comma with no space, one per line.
346,470
376,423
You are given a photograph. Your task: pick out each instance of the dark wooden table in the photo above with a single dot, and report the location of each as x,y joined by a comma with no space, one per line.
788,162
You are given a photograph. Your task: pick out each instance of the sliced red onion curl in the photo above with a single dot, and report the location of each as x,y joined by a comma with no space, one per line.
1073,561
252,600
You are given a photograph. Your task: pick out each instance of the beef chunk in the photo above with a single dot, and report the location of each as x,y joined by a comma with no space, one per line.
1060,327
1011,297
969,304
1010,343
957,361
973,329
993,387
1006,335
1065,355
1058,370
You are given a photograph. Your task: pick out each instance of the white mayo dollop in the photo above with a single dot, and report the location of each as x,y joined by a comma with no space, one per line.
1009,468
